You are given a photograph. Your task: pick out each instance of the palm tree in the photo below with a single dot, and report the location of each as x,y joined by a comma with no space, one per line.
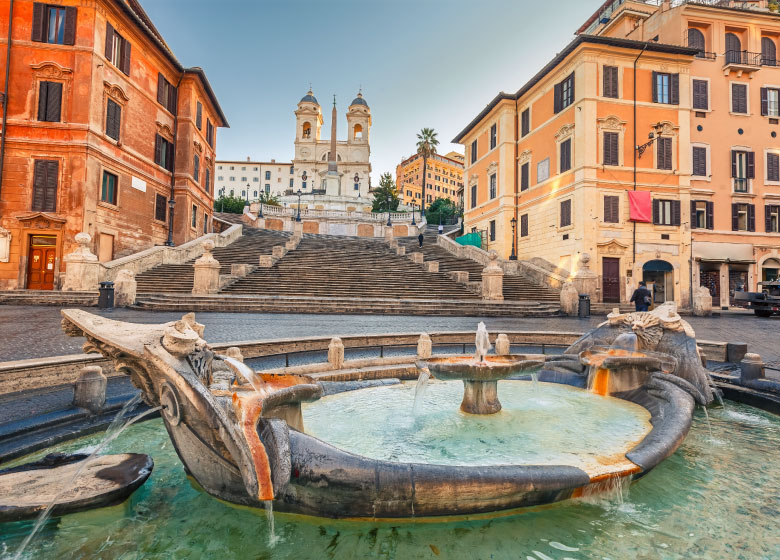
426,147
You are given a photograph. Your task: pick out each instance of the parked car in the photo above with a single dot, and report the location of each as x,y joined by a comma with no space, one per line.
764,303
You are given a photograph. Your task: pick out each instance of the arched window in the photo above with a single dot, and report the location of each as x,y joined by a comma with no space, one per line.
358,133
733,49
768,52
307,130
696,41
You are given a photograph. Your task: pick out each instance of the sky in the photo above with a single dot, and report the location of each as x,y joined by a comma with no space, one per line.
420,63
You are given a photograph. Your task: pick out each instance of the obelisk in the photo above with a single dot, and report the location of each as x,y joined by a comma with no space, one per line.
333,177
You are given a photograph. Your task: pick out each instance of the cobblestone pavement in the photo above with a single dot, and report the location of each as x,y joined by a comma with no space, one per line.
34,332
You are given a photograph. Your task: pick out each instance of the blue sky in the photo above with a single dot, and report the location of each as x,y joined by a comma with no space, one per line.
433,63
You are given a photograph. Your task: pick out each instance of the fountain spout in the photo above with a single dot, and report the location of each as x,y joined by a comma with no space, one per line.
482,343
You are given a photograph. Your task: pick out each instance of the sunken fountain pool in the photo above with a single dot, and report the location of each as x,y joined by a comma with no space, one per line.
357,474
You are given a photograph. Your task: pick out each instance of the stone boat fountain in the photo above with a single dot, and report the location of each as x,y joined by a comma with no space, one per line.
241,434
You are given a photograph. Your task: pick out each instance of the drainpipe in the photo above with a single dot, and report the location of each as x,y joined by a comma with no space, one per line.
515,244
172,201
5,91
636,60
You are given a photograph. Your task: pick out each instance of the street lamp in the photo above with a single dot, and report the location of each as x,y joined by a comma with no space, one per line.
171,204
389,223
298,217
513,256
413,222
247,196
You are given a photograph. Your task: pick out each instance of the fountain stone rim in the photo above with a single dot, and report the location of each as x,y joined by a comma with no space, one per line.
491,368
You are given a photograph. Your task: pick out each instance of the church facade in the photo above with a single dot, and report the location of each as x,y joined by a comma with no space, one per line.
331,174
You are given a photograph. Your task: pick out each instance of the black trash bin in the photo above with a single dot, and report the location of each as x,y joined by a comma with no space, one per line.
584,306
106,299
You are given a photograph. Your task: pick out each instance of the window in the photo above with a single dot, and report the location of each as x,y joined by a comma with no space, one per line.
699,161
196,168
167,94
739,103
525,179
493,186
492,229
493,136
292,170
303,185
113,119
255,195
743,217
666,212
702,214
267,175
209,133
50,101
473,152
45,185
473,196
109,188
525,122
664,152
54,24
543,170
770,102
611,148
696,41
117,49
773,167
163,153
564,93
255,179
565,213
194,222
768,52
292,182
524,225
733,49
232,178
207,186
565,161
666,88
772,217
612,209
743,168
243,179
159,207
701,95
610,88
199,115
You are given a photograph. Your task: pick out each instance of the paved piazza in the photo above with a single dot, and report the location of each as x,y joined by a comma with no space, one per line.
34,332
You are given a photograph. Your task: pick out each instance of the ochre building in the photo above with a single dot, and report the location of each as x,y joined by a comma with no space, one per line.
444,178
104,128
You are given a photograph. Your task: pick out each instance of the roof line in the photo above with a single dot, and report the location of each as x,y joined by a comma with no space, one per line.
560,57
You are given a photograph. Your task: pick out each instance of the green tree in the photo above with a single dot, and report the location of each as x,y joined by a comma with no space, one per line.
385,189
442,208
230,204
269,199
426,147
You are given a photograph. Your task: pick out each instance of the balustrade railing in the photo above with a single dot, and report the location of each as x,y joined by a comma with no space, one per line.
292,211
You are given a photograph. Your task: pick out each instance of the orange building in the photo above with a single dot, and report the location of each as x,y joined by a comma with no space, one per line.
102,127
734,148
444,178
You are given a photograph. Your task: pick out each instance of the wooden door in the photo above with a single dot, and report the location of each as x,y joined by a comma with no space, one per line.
610,280
106,248
40,263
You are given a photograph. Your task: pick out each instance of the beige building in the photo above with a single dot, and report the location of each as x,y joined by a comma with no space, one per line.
247,179
444,178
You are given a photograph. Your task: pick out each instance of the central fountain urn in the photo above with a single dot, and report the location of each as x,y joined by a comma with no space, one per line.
480,377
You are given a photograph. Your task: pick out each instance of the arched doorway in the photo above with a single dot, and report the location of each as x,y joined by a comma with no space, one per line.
659,277
770,270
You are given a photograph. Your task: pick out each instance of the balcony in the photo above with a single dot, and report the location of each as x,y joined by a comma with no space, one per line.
742,62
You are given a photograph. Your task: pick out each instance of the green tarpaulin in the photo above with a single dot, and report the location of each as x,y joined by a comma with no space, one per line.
474,239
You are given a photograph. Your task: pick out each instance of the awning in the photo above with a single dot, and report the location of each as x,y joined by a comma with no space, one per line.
738,253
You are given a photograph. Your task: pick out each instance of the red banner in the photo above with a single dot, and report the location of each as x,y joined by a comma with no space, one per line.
640,206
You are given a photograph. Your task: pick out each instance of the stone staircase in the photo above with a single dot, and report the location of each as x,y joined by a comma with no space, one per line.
49,297
516,288
178,278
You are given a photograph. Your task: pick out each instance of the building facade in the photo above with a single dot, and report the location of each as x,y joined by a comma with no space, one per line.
734,147
556,159
248,179
104,129
444,178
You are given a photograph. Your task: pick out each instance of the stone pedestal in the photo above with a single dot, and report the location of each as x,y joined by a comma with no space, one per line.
388,233
417,258
206,272
235,353
89,390
502,345
125,288
266,261
240,270
400,251
751,367
585,280
431,266
702,302
480,397
336,353
298,229
82,272
279,251
291,245
570,299
459,276
424,346
493,280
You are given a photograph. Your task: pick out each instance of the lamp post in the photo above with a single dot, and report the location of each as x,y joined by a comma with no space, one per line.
171,204
298,217
389,200
513,256
413,222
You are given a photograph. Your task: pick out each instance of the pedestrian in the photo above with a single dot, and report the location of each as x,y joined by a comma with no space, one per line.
441,229
642,297
420,239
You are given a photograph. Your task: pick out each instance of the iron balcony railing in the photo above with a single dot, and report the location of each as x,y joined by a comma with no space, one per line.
743,58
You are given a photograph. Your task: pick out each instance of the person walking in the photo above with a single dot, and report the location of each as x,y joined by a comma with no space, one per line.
642,297
420,239
441,229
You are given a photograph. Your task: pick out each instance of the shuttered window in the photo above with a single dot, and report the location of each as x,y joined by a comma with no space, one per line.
45,178
664,149
696,41
473,196
566,155
612,209
768,52
210,135
666,212
54,24
743,168
199,116
196,168
699,161
108,189
207,186
770,102
564,93
610,88
194,215
525,122
739,102
743,217
493,136
702,214
163,153
117,49
565,213
524,225
113,119
493,186
50,102
666,88
611,148
772,218
492,230
474,152
773,167
525,176
159,207
701,95
166,93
